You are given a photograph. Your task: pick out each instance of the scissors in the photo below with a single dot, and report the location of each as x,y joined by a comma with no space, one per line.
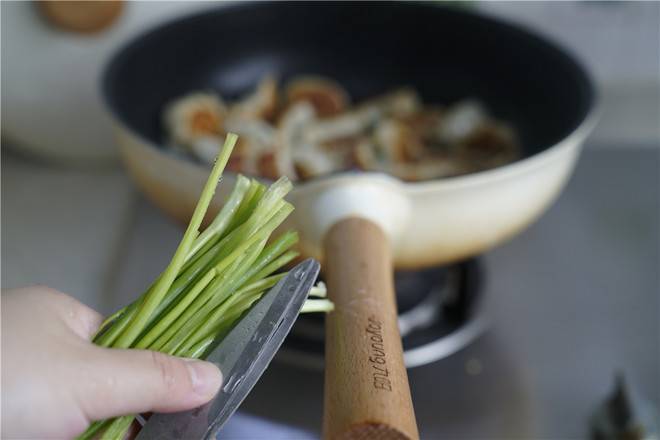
242,356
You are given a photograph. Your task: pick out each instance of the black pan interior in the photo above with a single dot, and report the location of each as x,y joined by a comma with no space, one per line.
446,54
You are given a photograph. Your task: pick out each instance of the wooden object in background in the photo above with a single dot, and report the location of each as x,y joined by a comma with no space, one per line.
81,16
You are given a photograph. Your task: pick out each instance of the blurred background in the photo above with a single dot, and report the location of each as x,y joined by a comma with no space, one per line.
570,302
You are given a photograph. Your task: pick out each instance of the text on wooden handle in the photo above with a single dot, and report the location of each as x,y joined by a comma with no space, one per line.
377,356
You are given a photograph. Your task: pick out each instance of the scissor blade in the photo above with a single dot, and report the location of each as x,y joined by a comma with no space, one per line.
242,356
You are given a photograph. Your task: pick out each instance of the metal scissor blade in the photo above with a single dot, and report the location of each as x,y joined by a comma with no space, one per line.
242,356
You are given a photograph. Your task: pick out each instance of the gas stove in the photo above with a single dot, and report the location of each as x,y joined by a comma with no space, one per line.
439,308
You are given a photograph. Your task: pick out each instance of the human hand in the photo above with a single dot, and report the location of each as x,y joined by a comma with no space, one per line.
55,381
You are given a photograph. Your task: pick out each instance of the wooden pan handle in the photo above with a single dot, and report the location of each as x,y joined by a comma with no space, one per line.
366,385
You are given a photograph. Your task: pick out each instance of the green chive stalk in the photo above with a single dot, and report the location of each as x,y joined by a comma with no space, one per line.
214,277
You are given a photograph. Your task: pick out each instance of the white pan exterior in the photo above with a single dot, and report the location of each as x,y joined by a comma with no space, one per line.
429,223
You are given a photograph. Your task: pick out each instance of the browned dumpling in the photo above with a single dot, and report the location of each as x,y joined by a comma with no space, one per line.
398,142
397,103
198,115
326,96
366,158
261,104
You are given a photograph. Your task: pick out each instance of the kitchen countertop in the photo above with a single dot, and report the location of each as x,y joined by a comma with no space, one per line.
573,299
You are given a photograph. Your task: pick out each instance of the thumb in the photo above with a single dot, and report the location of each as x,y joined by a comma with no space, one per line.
136,381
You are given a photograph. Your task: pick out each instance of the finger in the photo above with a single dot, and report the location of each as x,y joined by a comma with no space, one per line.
136,381
83,320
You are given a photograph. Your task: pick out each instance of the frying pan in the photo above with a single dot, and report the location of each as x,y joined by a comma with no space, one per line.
363,224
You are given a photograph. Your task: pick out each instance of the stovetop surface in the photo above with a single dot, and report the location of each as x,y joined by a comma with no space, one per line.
571,300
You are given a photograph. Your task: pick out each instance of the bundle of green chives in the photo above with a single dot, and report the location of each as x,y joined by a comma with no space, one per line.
212,279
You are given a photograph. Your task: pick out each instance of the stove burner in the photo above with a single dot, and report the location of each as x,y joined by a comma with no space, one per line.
438,315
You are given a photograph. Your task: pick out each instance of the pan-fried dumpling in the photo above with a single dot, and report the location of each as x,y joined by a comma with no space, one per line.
260,105
327,97
194,116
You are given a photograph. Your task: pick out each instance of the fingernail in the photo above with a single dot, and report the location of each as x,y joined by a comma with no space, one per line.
205,377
